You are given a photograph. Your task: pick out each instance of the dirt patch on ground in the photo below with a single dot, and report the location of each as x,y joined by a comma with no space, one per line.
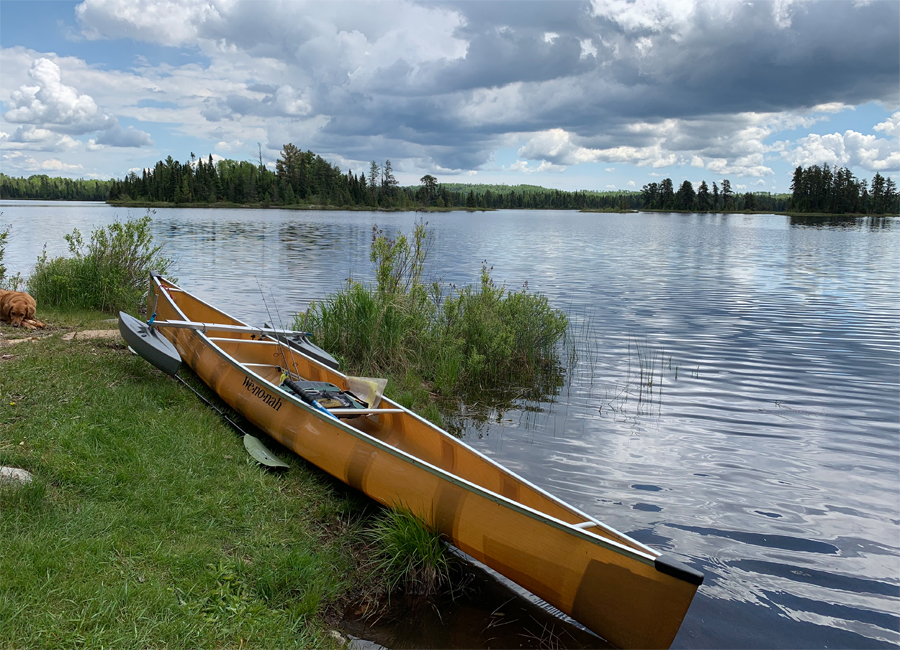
90,334
10,342
9,334
12,336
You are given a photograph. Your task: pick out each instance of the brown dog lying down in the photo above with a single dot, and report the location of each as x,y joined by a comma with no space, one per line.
18,308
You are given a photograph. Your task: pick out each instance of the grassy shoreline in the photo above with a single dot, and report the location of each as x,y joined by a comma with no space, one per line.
147,525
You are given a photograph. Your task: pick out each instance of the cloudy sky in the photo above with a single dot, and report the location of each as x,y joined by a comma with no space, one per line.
570,94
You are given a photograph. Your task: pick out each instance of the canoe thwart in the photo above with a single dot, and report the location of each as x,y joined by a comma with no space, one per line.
356,412
296,340
219,327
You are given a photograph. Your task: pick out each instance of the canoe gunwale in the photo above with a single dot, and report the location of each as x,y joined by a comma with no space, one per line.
644,554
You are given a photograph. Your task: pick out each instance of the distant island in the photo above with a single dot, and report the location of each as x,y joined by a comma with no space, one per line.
303,179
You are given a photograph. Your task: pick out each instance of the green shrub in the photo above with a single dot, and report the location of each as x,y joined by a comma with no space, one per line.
474,337
498,336
108,274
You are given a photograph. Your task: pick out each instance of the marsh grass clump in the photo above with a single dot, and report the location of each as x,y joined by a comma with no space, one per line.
409,554
454,339
108,274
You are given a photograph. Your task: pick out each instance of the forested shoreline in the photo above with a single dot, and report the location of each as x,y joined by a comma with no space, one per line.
305,179
44,187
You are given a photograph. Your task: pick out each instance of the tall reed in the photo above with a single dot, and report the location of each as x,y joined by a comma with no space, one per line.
4,235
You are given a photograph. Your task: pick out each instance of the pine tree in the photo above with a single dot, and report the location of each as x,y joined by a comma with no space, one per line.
703,197
877,193
388,182
684,198
727,195
666,194
429,185
890,197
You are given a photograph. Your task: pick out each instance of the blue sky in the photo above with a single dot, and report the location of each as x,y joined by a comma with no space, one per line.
599,95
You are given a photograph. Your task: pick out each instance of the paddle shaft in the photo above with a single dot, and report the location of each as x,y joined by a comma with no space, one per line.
212,406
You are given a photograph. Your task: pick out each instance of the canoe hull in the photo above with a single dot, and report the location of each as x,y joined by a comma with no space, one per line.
498,519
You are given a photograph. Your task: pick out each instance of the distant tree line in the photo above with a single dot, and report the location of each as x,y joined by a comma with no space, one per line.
44,187
837,191
664,196
299,177
305,178
501,197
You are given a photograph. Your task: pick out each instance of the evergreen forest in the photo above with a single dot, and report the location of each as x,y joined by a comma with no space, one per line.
44,187
303,178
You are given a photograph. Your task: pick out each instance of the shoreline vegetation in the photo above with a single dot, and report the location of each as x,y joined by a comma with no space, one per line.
146,524
436,342
304,180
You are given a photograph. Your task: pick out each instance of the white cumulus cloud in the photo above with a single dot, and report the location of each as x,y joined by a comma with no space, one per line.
37,139
51,112
169,22
891,126
850,149
51,102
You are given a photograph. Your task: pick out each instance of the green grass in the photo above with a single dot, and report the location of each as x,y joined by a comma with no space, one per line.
147,525
410,556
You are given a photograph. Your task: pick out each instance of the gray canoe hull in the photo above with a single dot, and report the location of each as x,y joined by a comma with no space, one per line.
149,344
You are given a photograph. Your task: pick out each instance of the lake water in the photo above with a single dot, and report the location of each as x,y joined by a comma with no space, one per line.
766,452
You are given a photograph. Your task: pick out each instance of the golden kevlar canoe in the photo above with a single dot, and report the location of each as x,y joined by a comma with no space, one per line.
621,589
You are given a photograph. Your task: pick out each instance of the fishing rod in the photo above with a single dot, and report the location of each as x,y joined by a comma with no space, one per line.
277,338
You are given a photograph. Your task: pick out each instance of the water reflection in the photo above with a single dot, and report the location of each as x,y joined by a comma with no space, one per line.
843,222
754,435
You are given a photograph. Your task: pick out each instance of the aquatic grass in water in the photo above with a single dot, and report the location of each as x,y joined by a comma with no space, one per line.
107,274
647,367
